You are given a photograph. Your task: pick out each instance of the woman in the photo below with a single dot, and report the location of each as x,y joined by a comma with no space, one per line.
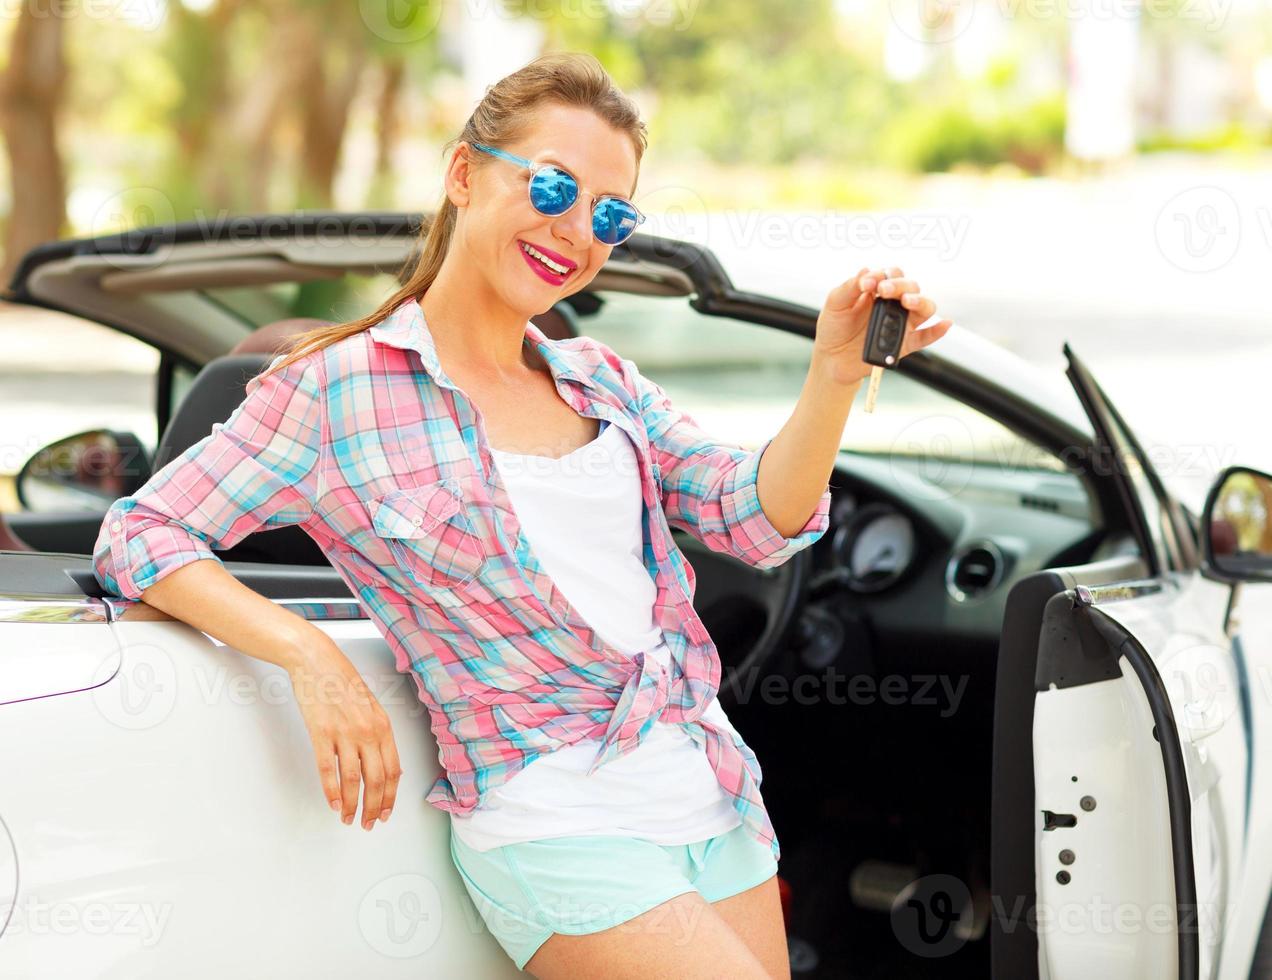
433,449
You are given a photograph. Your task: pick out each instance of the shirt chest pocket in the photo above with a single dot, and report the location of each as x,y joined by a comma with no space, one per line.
429,534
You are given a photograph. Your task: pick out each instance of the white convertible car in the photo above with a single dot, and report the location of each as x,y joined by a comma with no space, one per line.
1026,681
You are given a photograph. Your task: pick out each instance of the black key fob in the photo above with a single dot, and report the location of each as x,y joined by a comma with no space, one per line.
886,332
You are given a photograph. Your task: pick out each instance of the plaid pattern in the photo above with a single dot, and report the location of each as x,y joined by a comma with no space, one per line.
387,468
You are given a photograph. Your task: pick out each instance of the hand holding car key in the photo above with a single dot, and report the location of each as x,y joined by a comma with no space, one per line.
884,335
870,322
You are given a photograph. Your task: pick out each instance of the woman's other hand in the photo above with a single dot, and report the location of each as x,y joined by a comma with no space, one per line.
351,734
841,326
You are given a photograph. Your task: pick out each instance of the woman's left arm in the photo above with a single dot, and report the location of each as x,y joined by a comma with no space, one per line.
797,464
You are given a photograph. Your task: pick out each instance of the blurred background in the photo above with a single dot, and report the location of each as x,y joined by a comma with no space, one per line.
1084,171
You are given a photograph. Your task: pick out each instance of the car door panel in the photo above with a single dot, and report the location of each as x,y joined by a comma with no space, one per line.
1139,750
1126,678
1014,935
175,815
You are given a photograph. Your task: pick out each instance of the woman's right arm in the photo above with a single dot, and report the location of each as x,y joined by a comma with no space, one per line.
349,729
260,468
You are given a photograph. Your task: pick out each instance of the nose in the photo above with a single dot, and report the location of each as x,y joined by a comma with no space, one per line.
575,226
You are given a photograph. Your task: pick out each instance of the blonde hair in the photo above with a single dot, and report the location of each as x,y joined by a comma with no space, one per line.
506,109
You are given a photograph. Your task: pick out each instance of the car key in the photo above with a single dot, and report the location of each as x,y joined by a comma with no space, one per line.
884,337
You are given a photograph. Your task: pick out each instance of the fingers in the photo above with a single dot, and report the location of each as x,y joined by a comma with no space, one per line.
918,339
367,763
847,294
907,291
872,278
328,771
372,783
885,283
920,307
890,283
381,769
353,743
854,292
868,280
350,778
376,769
392,774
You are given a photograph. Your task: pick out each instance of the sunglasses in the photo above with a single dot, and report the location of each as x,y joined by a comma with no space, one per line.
554,190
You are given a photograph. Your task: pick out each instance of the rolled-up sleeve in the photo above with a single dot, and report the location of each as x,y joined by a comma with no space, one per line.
709,487
260,468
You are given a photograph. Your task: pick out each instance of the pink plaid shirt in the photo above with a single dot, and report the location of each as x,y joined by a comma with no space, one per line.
383,461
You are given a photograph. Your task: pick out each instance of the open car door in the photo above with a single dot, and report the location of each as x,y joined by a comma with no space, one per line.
1121,761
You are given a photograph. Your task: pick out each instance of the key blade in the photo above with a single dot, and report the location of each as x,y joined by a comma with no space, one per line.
876,375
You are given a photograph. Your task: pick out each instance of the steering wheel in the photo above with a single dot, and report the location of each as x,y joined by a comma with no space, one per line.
747,610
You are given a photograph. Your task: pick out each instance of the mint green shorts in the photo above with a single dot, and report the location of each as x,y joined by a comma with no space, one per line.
576,885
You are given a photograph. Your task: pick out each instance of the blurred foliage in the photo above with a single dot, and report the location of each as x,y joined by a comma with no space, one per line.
251,105
1235,135
937,137
747,81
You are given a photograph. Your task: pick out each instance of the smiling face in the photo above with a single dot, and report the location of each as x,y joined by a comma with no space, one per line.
496,220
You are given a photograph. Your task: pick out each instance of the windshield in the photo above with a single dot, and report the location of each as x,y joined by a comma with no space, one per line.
741,381
738,379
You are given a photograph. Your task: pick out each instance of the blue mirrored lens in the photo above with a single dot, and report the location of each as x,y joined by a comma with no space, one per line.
552,191
613,220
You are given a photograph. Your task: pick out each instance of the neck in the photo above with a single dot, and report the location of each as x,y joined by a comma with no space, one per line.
453,304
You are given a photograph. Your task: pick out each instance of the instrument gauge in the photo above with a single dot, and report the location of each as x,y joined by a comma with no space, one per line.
876,548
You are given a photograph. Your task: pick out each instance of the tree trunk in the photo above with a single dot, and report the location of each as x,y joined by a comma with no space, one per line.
30,98
264,101
200,55
328,82
387,120
388,126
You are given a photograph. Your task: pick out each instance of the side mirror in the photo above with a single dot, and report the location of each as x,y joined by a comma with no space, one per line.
1236,526
84,472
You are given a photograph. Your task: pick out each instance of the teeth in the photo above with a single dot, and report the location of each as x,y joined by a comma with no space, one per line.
556,267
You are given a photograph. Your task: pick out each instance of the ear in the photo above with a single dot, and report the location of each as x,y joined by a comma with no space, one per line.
458,175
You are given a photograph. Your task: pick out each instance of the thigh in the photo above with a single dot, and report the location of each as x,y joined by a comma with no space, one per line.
739,878
601,906
683,938
755,916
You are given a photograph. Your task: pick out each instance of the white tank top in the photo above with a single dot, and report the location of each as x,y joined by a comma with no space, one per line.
582,516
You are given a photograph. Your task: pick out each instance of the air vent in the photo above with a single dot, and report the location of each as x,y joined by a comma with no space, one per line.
974,571
1039,503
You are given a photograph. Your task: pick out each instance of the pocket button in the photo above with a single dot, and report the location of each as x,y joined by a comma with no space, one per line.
429,534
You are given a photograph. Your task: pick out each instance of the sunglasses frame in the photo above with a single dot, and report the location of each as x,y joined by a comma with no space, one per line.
534,168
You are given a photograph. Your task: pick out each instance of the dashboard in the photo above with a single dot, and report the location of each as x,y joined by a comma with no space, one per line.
928,548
